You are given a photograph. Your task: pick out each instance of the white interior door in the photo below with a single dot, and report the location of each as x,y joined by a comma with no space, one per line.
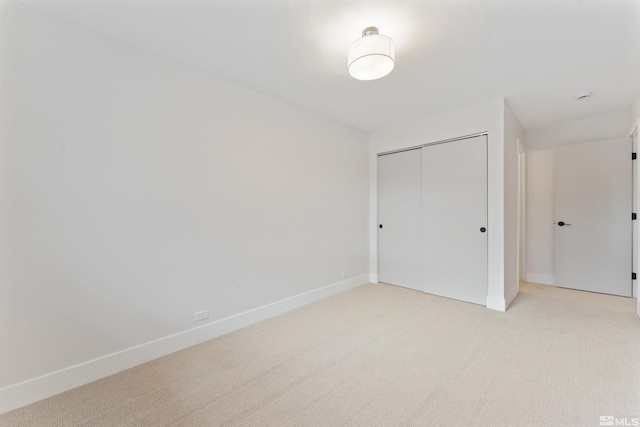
593,216
400,219
635,189
454,188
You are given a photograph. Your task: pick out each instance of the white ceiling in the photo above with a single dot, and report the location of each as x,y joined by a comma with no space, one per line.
449,53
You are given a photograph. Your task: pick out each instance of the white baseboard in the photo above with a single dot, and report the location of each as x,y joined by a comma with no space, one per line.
544,279
511,294
373,277
496,303
501,304
30,391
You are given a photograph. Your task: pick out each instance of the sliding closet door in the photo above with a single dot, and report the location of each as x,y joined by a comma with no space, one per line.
454,188
400,219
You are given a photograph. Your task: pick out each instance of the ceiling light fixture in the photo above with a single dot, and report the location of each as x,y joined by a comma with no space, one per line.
372,56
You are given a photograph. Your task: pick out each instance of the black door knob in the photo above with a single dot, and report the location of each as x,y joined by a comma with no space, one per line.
561,223
380,225
482,229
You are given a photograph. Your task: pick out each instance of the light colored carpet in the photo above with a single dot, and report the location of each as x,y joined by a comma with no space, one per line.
381,355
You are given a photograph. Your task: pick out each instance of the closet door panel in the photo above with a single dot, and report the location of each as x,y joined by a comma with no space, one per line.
454,206
400,219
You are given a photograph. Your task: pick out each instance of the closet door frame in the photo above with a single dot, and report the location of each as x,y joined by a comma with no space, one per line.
482,300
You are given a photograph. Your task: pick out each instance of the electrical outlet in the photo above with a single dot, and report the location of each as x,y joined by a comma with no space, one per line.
345,273
201,315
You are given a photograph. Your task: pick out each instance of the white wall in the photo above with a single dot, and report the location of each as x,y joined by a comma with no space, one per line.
634,115
513,132
487,117
540,210
597,128
135,191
